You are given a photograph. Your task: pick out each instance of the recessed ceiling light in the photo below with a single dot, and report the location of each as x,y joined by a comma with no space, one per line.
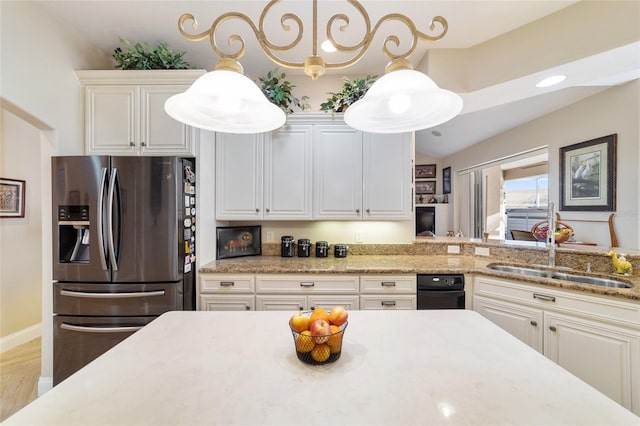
550,81
436,133
327,46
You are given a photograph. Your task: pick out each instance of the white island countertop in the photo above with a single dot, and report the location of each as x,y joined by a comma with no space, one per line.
396,368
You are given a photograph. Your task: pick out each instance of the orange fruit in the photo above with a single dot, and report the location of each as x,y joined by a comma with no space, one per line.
318,313
335,340
321,352
304,342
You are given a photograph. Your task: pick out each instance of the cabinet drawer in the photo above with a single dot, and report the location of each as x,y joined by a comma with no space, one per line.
602,308
340,284
225,302
350,303
391,302
384,284
227,283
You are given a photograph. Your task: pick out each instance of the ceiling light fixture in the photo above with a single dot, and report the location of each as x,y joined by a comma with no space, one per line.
402,100
550,81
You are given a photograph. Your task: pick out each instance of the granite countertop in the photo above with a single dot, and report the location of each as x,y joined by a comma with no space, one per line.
404,264
199,368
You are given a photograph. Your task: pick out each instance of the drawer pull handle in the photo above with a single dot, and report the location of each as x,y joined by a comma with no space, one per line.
544,297
388,283
123,295
388,303
553,328
534,323
247,307
227,283
307,284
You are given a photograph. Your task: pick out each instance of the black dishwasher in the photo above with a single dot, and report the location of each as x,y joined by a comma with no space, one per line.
445,291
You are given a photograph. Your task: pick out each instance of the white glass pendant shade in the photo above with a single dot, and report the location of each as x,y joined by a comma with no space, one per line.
402,101
225,101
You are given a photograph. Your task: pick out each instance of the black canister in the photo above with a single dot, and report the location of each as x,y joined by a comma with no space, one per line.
304,247
322,249
286,246
340,250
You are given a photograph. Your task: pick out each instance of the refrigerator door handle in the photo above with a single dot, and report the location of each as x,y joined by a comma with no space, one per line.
112,188
103,253
123,295
85,329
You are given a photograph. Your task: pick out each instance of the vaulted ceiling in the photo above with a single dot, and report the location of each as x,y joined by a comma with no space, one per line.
492,55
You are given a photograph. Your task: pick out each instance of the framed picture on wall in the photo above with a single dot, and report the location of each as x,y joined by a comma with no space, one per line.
236,241
426,187
446,180
425,171
12,198
588,175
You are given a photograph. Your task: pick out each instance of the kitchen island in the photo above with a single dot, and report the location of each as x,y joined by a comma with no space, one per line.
399,367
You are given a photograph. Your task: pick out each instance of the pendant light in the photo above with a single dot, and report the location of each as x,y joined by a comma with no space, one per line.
225,101
402,100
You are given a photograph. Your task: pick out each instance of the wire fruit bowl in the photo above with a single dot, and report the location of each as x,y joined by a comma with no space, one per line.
318,350
562,233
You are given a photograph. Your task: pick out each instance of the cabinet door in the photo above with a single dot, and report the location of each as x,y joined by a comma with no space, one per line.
519,321
281,303
238,176
604,356
386,176
287,173
159,133
351,303
111,119
337,171
217,302
388,302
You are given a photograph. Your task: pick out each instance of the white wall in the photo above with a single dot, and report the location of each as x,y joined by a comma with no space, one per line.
615,110
21,238
37,64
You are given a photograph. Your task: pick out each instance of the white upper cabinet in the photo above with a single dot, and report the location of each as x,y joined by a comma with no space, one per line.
264,176
239,176
361,175
288,172
124,112
386,176
337,167
306,171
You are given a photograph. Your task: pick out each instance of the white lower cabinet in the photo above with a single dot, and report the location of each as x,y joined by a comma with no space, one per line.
522,322
222,292
388,292
595,338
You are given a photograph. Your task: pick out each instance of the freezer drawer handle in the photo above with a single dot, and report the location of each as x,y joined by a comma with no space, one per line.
72,293
84,329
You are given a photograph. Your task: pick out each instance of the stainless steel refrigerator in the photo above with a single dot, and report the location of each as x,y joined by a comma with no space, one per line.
123,250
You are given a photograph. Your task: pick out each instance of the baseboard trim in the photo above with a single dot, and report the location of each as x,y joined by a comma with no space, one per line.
20,337
45,384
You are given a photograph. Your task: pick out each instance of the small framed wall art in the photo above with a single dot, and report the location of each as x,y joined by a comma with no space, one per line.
425,171
236,241
446,180
426,187
12,198
588,175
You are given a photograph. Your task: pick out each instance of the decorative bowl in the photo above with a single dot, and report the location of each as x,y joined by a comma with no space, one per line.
562,233
318,350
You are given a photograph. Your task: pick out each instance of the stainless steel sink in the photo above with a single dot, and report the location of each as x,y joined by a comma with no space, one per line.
584,279
521,270
604,282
